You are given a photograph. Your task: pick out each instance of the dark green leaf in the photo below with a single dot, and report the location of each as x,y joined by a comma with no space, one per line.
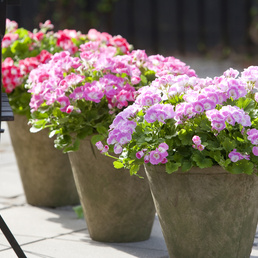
242,166
96,138
186,165
201,160
101,129
172,167
229,144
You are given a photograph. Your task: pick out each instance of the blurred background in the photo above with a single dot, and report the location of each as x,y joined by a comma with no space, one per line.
218,29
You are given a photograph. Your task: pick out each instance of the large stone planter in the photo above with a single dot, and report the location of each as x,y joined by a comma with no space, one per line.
45,172
205,212
117,207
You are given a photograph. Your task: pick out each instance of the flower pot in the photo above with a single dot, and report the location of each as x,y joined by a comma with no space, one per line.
45,172
205,212
117,207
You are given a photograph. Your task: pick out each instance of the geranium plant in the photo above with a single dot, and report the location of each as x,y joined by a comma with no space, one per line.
79,96
23,50
184,122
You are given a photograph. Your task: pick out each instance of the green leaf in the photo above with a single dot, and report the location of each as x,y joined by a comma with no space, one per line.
74,147
144,80
255,123
148,139
79,212
39,115
229,144
227,162
216,155
242,166
96,138
87,130
101,129
213,145
150,75
185,137
177,157
172,167
240,139
201,160
246,103
118,164
205,124
134,169
186,165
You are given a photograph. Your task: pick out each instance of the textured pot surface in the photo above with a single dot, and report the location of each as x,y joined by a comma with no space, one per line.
45,172
205,212
117,207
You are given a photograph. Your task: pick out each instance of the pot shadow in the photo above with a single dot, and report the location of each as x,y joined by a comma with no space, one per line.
66,217
154,247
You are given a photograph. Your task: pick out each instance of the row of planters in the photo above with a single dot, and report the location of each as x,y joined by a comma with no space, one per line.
116,111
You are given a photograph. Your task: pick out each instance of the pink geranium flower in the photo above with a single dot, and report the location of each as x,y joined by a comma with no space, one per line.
156,157
236,156
196,140
255,150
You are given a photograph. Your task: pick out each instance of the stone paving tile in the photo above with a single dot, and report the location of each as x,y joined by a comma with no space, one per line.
10,185
11,254
29,223
21,239
18,200
154,243
36,242
67,249
254,253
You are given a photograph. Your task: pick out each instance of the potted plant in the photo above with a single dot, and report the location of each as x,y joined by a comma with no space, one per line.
197,139
77,100
45,173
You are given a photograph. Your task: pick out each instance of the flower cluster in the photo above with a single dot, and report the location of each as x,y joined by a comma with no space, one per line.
24,50
13,75
197,143
63,73
80,96
203,122
86,90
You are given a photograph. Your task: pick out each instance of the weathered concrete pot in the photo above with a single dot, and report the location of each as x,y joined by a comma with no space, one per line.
205,212
45,172
117,207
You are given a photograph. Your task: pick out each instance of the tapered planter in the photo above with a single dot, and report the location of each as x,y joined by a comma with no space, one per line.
117,207
45,172
205,212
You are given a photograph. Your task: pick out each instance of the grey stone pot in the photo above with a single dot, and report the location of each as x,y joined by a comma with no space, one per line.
117,207
45,172
205,212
